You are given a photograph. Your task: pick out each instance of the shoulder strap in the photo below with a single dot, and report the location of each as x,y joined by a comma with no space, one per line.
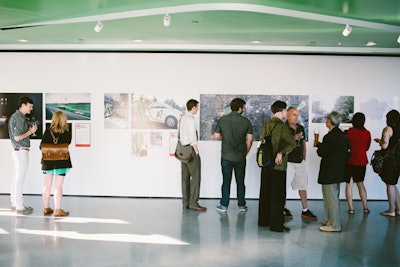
179,128
274,127
55,140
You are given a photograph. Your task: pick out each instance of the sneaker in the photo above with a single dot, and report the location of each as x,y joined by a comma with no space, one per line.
25,211
25,207
221,208
243,208
329,229
308,215
287,214
324,222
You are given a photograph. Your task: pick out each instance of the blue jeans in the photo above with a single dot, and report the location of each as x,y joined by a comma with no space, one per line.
227,167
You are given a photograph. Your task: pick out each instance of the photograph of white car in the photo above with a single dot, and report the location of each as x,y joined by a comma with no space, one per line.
163,113
151,113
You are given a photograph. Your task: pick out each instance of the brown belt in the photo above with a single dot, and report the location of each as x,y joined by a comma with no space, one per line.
21,148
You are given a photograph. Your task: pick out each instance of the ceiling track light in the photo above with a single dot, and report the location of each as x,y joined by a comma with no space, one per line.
398,39
99,26
167,20
347,30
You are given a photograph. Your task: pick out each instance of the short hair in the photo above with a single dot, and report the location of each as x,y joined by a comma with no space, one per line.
290,108
191,103
335,118
237,103
24,100
278,106
358,120
393,118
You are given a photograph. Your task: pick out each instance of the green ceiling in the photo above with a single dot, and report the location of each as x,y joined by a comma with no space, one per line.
280,26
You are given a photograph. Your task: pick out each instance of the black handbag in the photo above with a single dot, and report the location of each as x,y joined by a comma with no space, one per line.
265,156
377,160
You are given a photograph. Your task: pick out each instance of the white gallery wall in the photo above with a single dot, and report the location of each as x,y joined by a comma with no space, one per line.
108,168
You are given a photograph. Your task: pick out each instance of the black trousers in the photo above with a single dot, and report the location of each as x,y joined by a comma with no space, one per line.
272,199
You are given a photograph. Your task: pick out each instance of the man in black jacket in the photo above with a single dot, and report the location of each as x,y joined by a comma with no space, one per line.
333,151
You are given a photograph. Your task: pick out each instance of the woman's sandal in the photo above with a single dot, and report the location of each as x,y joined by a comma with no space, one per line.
351,211
366,211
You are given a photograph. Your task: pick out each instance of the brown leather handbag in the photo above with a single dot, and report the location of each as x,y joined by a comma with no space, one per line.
54,151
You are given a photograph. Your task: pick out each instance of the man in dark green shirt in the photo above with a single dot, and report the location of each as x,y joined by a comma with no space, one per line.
236,133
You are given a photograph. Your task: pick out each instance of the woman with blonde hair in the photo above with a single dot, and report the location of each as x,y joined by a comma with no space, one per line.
55,168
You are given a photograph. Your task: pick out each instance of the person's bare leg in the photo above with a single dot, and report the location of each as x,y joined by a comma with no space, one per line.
48,181
391,193
303,198
397,199
363,194
58,191
349,194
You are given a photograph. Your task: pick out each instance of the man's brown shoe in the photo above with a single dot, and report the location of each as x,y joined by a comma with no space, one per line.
199,208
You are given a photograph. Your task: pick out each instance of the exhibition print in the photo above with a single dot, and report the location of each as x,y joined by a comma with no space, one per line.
76,106
116,106
376,108
152,112
140,144
257,110
322,105
9,104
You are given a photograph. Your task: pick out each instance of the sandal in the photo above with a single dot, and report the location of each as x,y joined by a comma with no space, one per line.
351,211
366,211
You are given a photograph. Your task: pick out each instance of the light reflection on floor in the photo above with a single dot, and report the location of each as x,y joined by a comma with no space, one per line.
132,238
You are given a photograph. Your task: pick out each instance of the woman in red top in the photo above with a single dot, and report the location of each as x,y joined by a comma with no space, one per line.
360,141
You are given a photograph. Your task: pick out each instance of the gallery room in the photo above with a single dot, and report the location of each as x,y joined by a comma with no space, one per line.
122,72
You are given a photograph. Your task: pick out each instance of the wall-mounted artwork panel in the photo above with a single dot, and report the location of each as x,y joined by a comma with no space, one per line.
116,111
257,110
76,106
9,104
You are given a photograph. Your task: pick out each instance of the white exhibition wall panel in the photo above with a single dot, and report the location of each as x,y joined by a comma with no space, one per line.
127,157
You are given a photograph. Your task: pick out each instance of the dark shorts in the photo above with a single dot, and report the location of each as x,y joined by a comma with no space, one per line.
355,172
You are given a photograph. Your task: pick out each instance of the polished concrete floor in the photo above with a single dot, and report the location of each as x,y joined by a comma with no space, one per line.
157,232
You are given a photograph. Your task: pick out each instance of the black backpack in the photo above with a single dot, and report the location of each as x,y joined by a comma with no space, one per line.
265,154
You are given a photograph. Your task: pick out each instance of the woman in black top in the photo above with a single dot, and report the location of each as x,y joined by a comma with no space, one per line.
57,168
390,172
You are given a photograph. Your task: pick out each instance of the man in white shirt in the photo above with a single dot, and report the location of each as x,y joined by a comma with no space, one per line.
191,171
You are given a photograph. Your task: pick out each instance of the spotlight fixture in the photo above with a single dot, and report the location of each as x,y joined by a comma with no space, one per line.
398,39
167,20
98,27
347,30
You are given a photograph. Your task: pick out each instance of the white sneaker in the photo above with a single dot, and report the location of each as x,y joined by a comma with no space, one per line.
221,208
329,229
243,208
